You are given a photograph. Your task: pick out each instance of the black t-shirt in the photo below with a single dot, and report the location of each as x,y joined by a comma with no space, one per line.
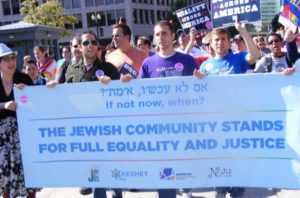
18,78
78,73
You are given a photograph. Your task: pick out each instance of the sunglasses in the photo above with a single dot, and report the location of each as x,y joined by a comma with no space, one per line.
9,58
274,41
75,46
87,42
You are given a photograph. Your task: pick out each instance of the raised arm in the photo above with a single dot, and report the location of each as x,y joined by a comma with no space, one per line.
193,33
254,53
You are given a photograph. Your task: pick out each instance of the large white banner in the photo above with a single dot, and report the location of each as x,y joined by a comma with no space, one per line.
237,130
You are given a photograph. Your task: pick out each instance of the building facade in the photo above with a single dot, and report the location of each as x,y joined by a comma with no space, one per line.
269,8
140,15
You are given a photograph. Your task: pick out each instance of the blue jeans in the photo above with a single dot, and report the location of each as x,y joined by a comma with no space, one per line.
101,193
167,193
234,191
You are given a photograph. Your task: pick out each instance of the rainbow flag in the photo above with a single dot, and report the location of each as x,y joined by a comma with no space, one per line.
290,14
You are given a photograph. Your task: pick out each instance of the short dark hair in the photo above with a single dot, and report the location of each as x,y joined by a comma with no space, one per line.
145,41
125,29
30,62
276,35
165,23
87,32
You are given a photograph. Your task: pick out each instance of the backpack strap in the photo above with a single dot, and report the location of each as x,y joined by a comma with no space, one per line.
288,61
269,63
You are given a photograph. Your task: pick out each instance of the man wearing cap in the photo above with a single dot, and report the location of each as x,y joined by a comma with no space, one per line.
240,44
184,43
11,175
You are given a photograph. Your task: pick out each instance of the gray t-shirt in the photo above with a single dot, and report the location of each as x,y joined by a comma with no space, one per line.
278,64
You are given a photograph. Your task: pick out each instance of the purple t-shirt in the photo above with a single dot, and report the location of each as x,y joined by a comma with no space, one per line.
177,64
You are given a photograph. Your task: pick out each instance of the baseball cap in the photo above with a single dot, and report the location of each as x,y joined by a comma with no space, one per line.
180,31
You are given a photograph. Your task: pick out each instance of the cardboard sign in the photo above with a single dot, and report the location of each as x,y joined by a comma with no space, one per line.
224,12
196,16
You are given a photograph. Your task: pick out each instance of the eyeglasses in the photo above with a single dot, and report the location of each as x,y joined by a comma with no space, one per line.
87,42
273,41
9,58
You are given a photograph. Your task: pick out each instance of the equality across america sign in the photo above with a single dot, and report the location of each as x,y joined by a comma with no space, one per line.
163,133
196,15
226,12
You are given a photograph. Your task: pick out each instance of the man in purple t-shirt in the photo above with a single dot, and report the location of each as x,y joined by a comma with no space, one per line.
166,62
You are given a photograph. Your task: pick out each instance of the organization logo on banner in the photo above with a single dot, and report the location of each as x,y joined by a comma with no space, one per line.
170,174
123,175
94,175
167,174
219,172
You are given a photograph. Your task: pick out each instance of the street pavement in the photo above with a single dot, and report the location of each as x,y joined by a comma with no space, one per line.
197,193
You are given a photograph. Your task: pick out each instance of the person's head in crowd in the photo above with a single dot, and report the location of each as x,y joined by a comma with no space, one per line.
164,36
220,42
31,69
275,43
26,58
183,38
8,60
240,44
259,42
40,53
66,53
101,52
144,44
89,46
75,50
206,43
121,35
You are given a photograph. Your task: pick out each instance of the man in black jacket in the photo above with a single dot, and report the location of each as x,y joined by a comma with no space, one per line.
86,68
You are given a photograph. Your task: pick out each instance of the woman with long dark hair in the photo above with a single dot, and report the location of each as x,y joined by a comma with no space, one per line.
11,170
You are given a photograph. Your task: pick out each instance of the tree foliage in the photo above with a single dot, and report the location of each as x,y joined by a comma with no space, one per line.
49,13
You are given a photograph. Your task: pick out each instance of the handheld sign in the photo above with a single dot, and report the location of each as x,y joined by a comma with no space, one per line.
196,15
290,14
224,13
126,68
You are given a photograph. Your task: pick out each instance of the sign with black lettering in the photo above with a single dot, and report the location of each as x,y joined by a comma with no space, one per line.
196,15
225,12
